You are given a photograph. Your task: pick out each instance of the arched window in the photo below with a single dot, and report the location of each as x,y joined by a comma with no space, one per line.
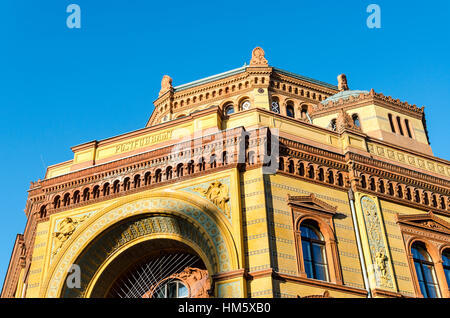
43,211
116,186
281,164
106,189
66,199
76,197
304,112
229,109
426,275
168,173
245,105
126,184
201,164
313,249
332,125
290,111
356,121
301,169
96,192
158,175
190,167
179,170
147,178
446,265
57,202
137,181
275,106
86,194
213,161
291,166
224,158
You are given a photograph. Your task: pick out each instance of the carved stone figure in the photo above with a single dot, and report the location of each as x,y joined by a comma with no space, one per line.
258,57
217,193
196,280
166,84
65,229
381,263
342,83
344,121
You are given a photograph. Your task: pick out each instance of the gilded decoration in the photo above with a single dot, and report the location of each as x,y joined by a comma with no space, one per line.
216,192
377,246
65,229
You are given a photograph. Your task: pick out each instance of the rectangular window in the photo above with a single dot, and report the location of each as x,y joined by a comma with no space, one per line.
407,128
400,126
392,123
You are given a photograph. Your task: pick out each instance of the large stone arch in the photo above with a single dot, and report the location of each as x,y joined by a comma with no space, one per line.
180,213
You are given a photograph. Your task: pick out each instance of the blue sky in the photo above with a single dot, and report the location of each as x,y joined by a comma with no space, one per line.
61,87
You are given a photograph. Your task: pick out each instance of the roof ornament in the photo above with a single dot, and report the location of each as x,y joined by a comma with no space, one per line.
345,122
342,83
258,58
166,84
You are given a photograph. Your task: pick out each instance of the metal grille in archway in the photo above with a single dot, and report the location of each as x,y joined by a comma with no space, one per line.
157,277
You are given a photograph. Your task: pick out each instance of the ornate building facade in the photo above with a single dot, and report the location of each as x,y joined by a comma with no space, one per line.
256,182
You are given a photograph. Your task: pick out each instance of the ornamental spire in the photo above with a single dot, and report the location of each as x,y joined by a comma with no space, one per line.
342,83
166,84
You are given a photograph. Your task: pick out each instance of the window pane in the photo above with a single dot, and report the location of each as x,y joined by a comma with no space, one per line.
172,290
418,271
432,291
182,291
446,258
309,269
309,233
306,247
428,272
321,272
447,275
318,251
423,289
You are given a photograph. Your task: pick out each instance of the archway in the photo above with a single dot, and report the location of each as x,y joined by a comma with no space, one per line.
107,233
139,241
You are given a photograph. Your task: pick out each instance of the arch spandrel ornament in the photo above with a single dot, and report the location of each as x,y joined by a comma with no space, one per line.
173,203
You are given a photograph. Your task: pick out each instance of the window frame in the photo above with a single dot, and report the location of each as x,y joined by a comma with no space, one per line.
309,208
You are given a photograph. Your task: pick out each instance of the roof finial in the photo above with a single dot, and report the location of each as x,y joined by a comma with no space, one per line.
342,83
258,58
166,84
